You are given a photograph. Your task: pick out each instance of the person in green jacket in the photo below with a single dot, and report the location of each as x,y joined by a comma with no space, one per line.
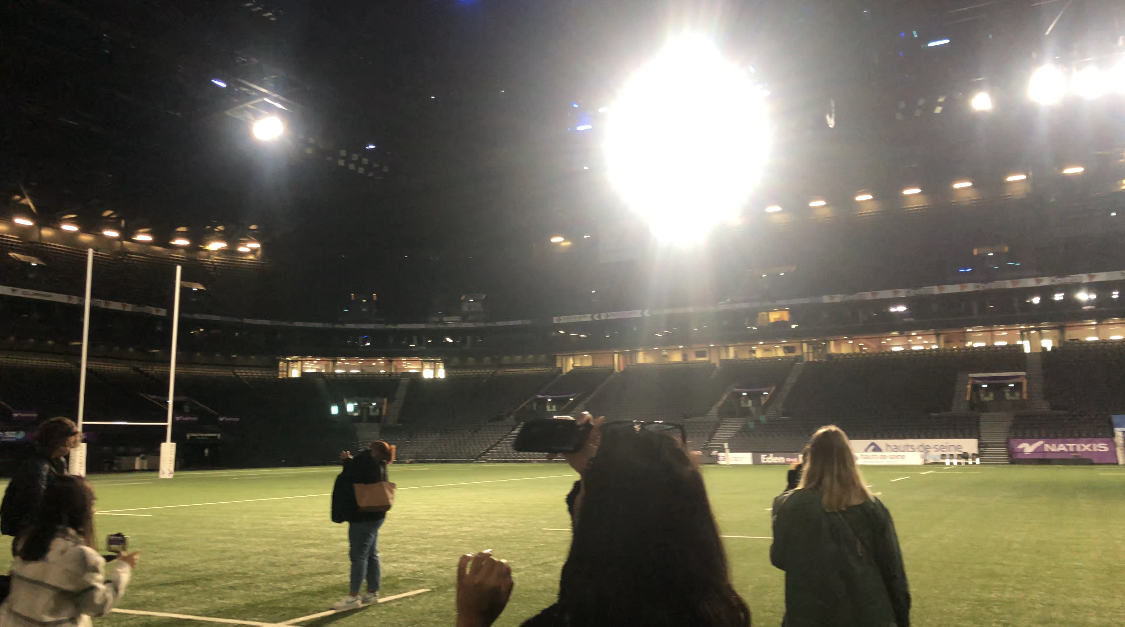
836,543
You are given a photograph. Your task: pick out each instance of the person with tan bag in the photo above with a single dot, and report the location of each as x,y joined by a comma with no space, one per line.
361,497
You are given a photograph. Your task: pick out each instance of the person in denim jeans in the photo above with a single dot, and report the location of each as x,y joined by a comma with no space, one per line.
370,466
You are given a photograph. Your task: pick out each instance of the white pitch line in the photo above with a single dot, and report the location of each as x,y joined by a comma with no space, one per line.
305,496
205,619
394,597
446,485
274,498
751,537
928,472
899,479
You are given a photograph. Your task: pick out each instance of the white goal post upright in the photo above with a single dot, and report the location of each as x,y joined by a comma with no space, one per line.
78,456
168,448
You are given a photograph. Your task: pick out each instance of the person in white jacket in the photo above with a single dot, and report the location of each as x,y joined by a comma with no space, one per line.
57,575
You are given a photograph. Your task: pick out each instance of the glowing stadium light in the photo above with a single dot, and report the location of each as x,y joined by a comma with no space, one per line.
216,245
111,233
334,410
179,241
254,245
1088,83
1035,300
937,42
143,237
66,226
818,203
243,249
370,146
962,184
863,197
773,209
910,191
268,129
1115,337
1074,170
584,127
1092,338
1059,296
726,132
558,239
22,221
1016,177
981,102
219,83
1047,85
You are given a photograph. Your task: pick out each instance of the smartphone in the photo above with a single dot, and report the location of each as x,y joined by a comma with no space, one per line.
561,434
117,542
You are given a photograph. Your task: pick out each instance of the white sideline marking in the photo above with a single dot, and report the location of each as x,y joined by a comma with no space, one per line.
899,479
751,537
119,514
394,597
205,619
928,472
274,498
446,485
305,496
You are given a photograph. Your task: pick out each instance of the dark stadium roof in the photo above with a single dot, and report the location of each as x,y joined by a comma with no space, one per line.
429,154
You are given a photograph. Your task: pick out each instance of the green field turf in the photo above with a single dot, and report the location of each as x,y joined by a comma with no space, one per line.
1018,546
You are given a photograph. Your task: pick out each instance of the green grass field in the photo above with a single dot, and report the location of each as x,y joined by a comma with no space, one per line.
1019,546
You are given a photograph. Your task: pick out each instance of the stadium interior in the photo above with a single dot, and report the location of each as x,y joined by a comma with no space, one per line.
270,231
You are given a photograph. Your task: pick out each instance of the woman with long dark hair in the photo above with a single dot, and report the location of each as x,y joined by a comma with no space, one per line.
837,544
57,575
646,549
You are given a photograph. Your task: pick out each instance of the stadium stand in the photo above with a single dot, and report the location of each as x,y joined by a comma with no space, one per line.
672,392
883,395
1082,383
577,385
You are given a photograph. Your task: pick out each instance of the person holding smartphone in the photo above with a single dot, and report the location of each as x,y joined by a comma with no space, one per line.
58,577
369,466
837,544
54,439
645,550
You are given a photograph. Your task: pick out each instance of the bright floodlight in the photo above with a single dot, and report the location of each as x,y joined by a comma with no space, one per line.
143,237
687,139
863,197
818,203
910,191
962,184
1047,85
1077,169
1088,82
69,227
981,102
111,233
1016,177
267,129
179,241
23,221
216,245
773,209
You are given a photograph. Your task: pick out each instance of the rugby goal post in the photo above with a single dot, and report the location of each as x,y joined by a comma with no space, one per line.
77,462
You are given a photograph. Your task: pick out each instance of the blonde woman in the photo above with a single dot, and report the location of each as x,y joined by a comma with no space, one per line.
836,543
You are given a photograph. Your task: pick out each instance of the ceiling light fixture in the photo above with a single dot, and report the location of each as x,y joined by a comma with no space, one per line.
910,191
